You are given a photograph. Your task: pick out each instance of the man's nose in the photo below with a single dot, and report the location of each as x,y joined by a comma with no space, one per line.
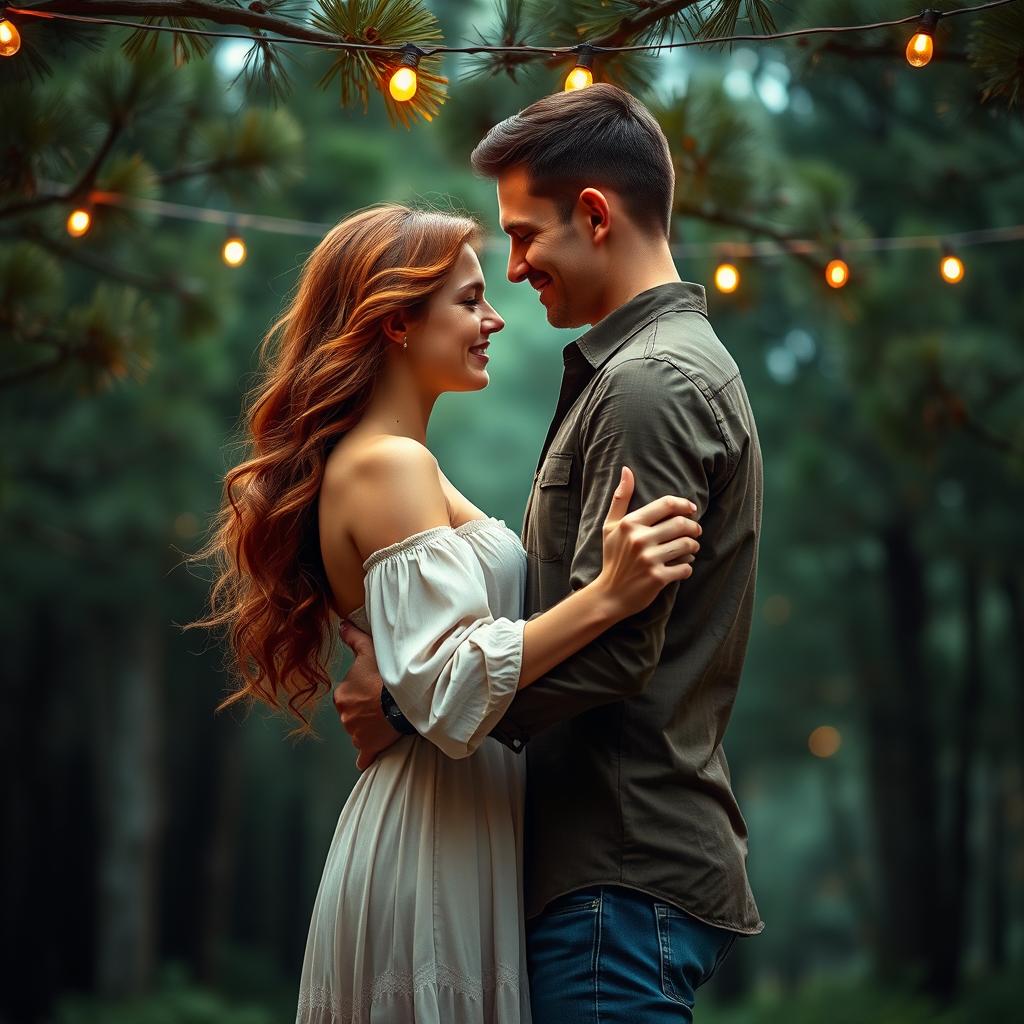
518,268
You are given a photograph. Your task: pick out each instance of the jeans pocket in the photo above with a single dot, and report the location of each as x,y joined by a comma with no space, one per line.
579,902
691,952
563,946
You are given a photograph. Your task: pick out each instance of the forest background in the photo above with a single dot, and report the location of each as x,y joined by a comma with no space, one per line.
160,862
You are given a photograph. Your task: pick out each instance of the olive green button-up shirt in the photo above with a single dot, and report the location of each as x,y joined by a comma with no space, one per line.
627,781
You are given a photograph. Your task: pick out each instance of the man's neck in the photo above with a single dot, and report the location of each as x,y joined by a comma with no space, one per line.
653,269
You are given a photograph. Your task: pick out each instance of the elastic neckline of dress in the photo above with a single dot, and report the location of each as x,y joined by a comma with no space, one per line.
418,539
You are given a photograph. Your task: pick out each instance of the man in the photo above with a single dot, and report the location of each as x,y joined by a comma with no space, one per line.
636,884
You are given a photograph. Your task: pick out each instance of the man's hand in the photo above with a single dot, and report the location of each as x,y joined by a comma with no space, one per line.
357,699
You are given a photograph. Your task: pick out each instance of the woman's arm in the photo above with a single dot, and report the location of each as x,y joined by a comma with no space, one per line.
643,552
399,491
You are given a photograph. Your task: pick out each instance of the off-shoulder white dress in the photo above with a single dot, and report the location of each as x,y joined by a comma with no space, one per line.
419,915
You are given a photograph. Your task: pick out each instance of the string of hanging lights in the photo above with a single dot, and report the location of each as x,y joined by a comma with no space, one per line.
403,86
402,82
727,276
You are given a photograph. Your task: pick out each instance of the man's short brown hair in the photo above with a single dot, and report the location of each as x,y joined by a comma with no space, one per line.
596,137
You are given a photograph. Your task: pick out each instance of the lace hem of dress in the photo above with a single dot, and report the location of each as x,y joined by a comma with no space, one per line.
314,1002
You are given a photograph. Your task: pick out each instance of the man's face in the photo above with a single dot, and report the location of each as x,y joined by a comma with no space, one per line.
558,259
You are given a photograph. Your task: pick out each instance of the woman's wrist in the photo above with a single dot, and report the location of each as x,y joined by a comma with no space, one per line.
602,602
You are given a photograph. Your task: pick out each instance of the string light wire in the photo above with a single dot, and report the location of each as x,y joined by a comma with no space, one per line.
558,51
737,249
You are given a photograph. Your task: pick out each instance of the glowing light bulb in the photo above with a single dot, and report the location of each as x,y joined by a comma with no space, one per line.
403,84
922,44
10,39
582,75
920,50
727,278
579,78
952,269
79,222
824,741
837,273
234,252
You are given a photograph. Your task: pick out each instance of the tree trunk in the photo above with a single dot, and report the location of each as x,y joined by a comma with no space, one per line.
129,720
220,854
28,945
957,880
902,777
1015,602
997,889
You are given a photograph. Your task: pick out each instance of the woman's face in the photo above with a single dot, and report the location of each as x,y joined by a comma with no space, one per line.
448,342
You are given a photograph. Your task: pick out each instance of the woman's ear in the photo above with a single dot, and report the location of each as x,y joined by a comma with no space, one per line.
595,207
396,328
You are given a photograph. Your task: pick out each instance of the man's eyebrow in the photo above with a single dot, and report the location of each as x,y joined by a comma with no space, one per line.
516,225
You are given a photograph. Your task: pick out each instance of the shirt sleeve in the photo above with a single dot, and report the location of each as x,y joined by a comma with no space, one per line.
651,417
451,667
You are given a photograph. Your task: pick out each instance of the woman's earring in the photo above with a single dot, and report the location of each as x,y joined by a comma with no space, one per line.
405,342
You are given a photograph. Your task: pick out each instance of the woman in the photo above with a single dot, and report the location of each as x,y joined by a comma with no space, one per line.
342,511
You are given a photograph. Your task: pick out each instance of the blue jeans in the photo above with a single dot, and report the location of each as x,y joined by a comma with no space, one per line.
612,955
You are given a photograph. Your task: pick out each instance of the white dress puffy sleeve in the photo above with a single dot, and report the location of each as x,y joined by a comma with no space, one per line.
451,666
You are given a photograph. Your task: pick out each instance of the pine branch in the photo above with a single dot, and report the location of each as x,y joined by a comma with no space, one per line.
715,215
960,416
8,380
168,285
383,23
631,27
374,23
996,47
702,20
510,31
80,188
209,167
204,10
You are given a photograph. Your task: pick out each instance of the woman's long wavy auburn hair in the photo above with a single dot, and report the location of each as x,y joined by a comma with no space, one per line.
319,364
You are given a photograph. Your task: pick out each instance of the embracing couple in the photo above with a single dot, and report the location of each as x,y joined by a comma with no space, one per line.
544,828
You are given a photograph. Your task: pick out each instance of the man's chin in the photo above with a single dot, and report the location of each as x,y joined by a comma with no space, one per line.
562,318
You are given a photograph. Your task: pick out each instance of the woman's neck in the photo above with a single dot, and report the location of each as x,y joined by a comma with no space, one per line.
398,406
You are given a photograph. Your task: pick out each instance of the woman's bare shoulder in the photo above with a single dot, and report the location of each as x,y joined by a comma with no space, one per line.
387,489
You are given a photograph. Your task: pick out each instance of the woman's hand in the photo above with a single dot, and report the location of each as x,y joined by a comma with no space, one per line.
647,549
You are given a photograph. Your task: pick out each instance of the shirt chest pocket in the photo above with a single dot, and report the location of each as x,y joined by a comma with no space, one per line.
551,516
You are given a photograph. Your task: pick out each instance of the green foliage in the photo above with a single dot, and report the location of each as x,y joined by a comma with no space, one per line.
895,401
258,149
177,1001
855,1002
118,92
996,48
44,137
384,23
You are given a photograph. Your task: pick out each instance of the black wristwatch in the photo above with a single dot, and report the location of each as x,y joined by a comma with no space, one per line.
393,713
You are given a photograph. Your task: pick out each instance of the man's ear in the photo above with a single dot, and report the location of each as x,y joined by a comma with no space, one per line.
598,212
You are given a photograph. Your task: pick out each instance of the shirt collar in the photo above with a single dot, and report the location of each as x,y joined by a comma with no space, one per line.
605,337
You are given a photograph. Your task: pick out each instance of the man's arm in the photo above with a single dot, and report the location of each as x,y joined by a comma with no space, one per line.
357,699
653,418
